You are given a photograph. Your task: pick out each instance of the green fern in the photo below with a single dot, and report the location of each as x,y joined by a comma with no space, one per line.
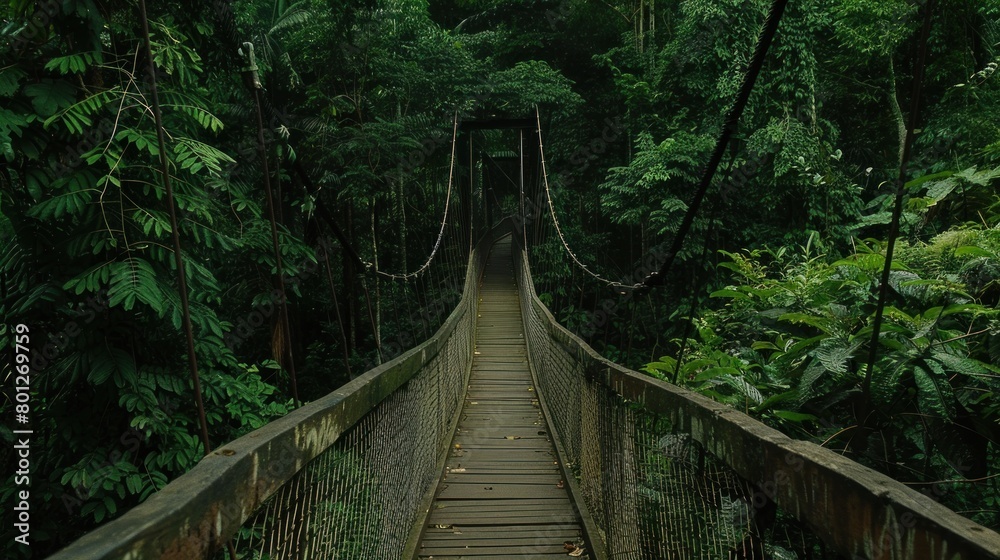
192,107
10,80
143,140
194,155
155,223
134,281
77,193
107,363
935,395
91,280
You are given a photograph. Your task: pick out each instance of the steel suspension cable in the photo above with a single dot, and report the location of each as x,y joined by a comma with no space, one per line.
467,209
178,256
883,293
226,19
371,320
732,122
552,212
694,302
520,182
444,219
285,325
336,307
175,234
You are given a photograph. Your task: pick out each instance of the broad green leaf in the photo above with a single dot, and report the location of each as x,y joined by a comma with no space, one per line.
962,308
776,399
965,366
10,78
820,323
715,372
727,293
927,178
792,416
972,251
940,190
49,96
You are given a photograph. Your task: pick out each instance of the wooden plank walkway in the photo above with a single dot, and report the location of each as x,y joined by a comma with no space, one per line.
502,493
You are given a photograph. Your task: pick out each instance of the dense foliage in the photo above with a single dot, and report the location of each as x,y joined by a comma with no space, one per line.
769,307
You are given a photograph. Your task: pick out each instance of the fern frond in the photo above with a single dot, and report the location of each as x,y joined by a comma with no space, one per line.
78,192
79,116
193,155
90,280
134,280
296,15
10,80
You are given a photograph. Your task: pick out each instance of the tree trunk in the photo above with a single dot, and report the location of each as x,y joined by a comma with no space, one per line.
401,216
897,112
377,327
350,275
641,22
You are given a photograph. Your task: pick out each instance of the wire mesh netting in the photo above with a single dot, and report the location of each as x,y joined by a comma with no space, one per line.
651,489
361,497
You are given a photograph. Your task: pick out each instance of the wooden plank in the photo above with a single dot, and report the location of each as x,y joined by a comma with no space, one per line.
483,491
478,552
498,531
492,478
529,504
503,443
495,556
491,412
501,408
512,434
498,358
467,518
506,468
521,534
499,496
536,536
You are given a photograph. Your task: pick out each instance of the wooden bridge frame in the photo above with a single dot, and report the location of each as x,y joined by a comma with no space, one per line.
856,511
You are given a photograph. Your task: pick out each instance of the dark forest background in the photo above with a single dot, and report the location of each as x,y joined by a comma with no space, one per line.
768,308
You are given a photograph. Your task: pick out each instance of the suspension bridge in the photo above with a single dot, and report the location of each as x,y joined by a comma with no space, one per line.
504,435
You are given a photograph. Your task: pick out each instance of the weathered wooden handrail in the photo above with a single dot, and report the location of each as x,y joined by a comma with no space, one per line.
855,510
195,514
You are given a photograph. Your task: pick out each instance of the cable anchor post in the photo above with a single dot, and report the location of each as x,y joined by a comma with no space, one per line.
250,71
